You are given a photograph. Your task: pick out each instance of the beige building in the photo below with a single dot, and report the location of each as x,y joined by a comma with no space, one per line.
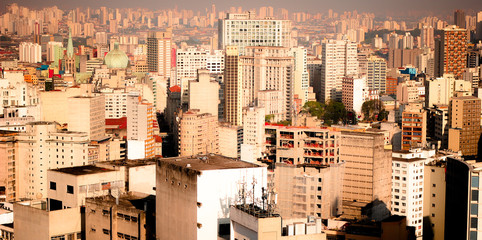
440,90
268,68
204,93
232,86
307,190
464,123
408,91
434,198
87,114
44,147
367,169
300,145
198,133
8,157
131,216
33,221
230,140
50,103
261,225
159,53
253,133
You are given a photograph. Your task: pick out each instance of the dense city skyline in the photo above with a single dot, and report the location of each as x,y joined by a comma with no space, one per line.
380,7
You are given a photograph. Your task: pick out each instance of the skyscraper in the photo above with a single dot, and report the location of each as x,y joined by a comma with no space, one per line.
159,53
451,51
244,30
232,86
464,120
478,29
377,73
459,18
427,37
339,59
268,69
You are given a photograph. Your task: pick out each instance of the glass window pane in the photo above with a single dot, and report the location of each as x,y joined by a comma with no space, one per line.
473,235
475,195
473,223
474,209
475,181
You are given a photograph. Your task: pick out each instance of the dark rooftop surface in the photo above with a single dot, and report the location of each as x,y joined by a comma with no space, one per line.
128,163
207,162
82,170
407,159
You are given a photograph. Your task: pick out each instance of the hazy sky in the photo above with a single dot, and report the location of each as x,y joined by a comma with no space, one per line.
376,6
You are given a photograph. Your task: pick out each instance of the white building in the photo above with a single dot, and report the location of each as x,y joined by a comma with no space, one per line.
192,59
140,128
253,133
301,78
14,91
339,59
243,29
115,103
194,194
408,185
377,73
30,52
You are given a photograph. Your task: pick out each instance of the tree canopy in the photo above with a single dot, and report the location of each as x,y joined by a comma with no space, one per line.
374,110
331,113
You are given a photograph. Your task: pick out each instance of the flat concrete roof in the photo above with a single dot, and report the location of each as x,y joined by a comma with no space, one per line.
407,159
82,170
207,162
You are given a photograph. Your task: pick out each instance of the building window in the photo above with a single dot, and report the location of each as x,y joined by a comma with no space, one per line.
475,181
475,195
70,189
106,231
473,235
473,222
474,209
53,185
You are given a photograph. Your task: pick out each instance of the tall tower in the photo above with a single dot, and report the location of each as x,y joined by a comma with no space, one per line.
339,59
159,53
451,52
478,29
464,120
232,86
459,18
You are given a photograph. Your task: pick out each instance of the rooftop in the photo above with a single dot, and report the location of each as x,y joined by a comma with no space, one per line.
407,159
207,162
82,170
129,200
128,163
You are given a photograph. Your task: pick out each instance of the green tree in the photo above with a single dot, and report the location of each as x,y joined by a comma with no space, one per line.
373,110
316,109
334,113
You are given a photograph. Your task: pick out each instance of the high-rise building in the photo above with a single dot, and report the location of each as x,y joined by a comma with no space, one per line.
300,77
440,90
204,93
368,167
198,133
427,37
414,126
459,18
478,28
244,30
159,53
87,114
451,51
140,128
434,188
30,52
339,59
407,189
464,125
253,133
462,202
295,185
353,93
268,68
232,87
190,60
377,74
